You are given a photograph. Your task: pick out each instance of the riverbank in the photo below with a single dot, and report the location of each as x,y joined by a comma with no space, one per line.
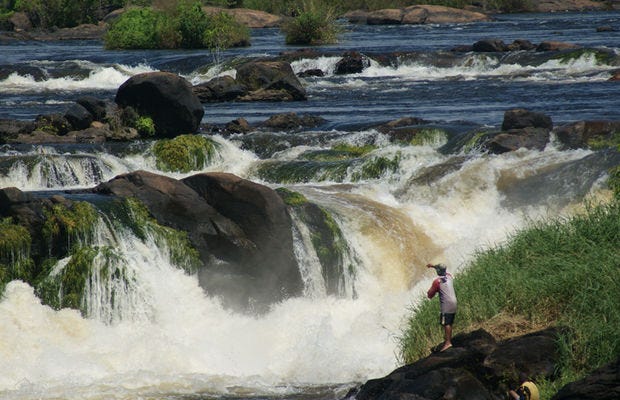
550,275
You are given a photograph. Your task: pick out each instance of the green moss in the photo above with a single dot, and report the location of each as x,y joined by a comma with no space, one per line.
133,214
599,142
376,167
339,152
475,141
145,126
292,198
184,153
303,171
429,137
74,224
602,57
355,151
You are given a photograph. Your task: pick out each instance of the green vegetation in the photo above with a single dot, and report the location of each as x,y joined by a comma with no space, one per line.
69,225
182,24
614,181
314,24
602,57
554,273
15,261
429,137
342,162
145,126
599,142
292,198
134,215
184,153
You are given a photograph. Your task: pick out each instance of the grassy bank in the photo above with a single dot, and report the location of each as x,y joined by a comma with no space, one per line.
554,273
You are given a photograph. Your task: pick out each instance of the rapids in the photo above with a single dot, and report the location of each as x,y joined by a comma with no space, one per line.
158,335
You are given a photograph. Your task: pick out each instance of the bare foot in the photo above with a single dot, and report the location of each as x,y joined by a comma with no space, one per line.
446,347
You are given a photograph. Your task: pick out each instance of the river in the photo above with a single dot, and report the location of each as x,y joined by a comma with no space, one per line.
167,339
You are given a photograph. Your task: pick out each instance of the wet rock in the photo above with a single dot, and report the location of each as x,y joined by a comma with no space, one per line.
567,5
292,121
580,134
518,118
96,107
489,45
11,128
55,124
556,46
416,14
223,88
615,77
79,117
514,139
270,80
601,384
606,28
521,44
270,269
351,62
165,97
239,125
248,17
311,72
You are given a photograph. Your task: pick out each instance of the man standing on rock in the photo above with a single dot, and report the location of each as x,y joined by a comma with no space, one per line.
447,301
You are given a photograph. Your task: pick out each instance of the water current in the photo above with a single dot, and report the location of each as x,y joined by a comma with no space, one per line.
165,338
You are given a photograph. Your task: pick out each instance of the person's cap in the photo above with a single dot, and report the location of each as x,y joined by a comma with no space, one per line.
441,269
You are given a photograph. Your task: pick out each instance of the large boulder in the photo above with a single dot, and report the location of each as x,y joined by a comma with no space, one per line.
476,367
165,97
248,17
441,15
241,229
514,139
273,77
351,62
601,384
263,217
518,118
581,134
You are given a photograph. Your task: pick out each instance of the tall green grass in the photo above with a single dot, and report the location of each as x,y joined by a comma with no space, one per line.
563,272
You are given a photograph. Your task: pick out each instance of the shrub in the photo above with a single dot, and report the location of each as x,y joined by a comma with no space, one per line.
315,24
223,31
135,29
184,153
192,24
145,126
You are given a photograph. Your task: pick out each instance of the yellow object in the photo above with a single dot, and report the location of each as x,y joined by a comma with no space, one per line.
530,391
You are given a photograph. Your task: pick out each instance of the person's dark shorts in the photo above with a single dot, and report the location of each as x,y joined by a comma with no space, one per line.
446,319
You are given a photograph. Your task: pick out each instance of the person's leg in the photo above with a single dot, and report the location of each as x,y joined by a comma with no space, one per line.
447,343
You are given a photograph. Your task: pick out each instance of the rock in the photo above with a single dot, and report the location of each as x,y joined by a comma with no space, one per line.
311,72
606,28
96,107
567,5
275,78
166,98
248,17
578,134
54,124
556,46
521,44
78,116
443,15
291,121
601,384
356,16
476,367
11,128
223,88
514,139
351,62
490,45
534,355
518,118
239,125
615,77
263,216
241,230
391,16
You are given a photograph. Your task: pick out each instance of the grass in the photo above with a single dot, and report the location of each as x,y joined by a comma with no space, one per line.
555,273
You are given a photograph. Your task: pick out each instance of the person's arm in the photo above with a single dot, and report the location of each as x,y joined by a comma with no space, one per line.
433,289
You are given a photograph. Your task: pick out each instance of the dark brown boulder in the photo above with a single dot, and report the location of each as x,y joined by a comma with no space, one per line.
263,217
11,128
601,384
78,116
490,45
223,88
556,46
518,118
96,107
165,97
351,63
387,16
529,138
579,134
272,77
